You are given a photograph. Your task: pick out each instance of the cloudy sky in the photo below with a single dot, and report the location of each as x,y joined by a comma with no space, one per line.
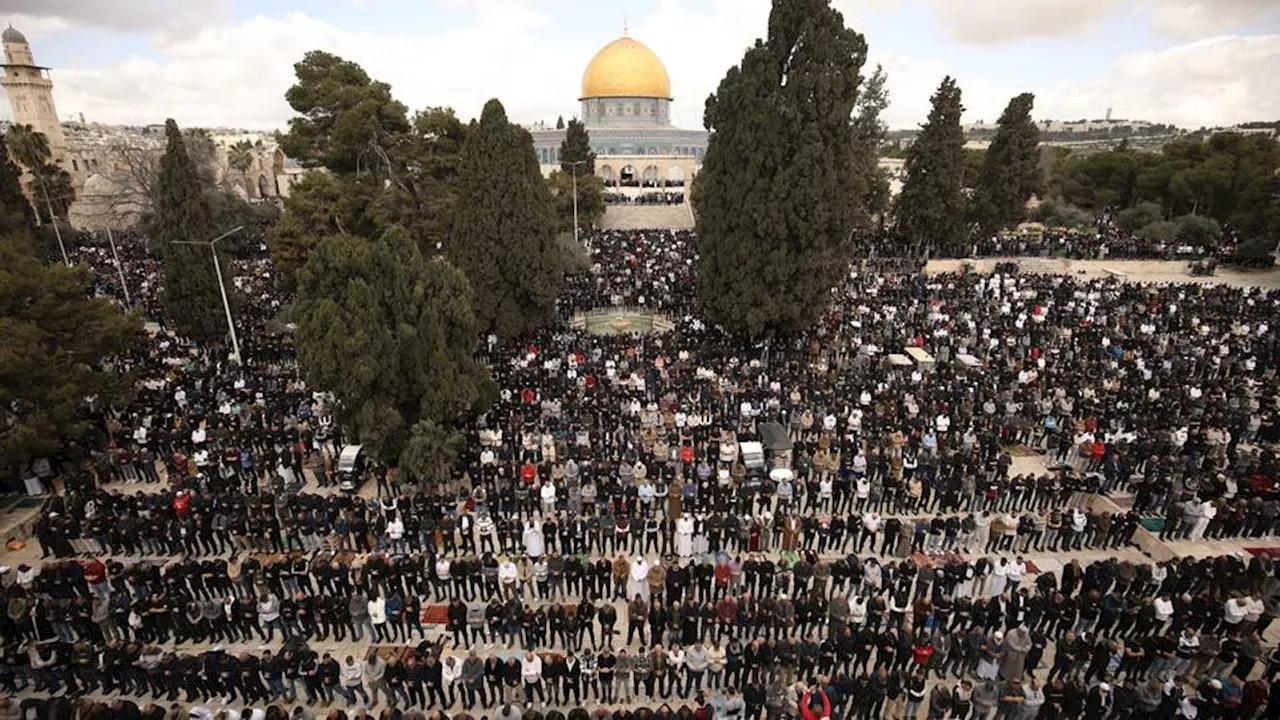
228,62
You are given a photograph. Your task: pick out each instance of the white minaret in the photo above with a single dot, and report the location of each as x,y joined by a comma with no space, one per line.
30,92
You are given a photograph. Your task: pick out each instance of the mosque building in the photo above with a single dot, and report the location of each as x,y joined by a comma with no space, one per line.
626,107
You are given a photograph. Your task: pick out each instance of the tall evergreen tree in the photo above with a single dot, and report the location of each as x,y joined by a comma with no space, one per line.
577,163
392,333
192,299
931,208
503,235
1011,169
576,148
777,199
869,132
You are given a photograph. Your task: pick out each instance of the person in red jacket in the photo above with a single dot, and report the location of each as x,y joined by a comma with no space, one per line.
806,709
922,653
182,504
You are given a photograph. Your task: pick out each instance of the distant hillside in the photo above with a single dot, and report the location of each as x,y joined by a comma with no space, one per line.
1088,133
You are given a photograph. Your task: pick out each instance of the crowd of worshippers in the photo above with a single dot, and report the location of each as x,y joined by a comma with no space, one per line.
1110,635
644,198
583,519
1163,390
1096,244
1164,386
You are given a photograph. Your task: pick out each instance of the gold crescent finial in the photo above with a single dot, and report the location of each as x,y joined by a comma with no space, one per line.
625,27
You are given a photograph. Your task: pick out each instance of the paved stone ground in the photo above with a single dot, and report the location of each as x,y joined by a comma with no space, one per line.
1147,271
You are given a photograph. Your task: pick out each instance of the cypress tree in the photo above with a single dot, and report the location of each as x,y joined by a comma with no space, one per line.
1011,171
192,300
931,208
392,333
503,235
577,160
576,147
778,196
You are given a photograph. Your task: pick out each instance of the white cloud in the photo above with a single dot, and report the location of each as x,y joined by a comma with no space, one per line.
982,22
1213,82
35,27
1205,18
236,75
165,17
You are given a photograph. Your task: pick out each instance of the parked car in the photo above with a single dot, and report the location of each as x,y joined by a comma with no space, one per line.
353,468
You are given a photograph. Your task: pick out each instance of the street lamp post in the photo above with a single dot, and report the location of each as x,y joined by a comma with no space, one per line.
222,286
119,268
574,172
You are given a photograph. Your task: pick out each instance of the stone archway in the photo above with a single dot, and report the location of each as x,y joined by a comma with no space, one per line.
675,176
607,174
264,187
651,175
629,176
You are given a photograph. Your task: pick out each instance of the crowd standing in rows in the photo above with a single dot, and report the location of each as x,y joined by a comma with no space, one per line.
873,561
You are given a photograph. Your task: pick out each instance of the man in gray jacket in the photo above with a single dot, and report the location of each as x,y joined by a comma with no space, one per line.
359,609
375,669
473,681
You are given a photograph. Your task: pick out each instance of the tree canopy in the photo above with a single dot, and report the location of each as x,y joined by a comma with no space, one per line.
931,208
1011,168
392,333
346,121
777,200
380,169
577,160
504,232
869,132
192,299
1228,177
56,337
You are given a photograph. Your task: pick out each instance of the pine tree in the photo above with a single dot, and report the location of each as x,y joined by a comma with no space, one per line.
778,196
1011,170
931,208
55,337
347,121
576,148
392,334
503,236
192,299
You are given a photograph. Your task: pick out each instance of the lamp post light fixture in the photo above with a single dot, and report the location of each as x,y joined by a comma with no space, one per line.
217,267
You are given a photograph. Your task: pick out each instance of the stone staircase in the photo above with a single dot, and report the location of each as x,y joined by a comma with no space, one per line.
643,217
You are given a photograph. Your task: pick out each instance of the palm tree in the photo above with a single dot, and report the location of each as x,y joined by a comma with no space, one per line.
30,149
240,157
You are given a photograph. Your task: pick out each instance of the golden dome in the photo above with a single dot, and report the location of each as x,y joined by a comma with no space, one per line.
626,68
